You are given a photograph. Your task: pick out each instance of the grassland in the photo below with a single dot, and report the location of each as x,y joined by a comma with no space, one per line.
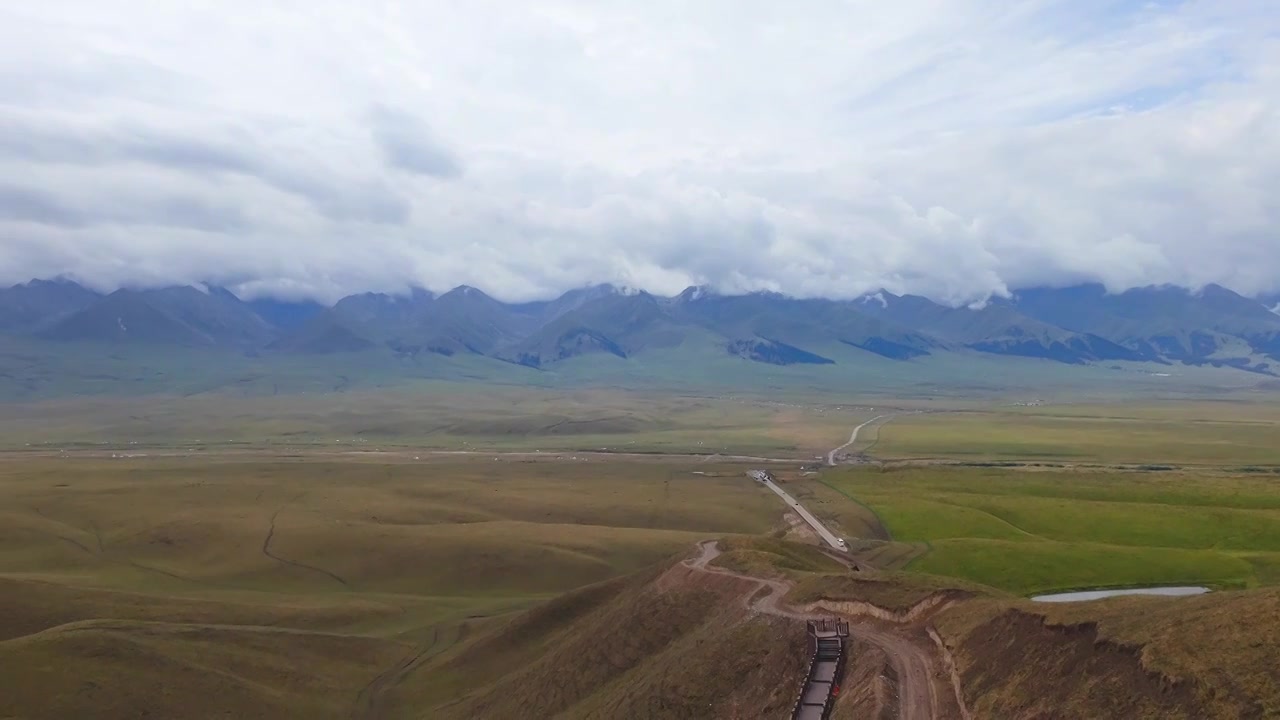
1242,433
388,554
1035,531
33,371
285,587
437,415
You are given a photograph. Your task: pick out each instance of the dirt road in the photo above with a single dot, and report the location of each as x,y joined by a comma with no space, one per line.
853,438
925,691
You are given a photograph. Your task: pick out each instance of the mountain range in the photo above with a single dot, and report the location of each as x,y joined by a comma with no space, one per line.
1075,325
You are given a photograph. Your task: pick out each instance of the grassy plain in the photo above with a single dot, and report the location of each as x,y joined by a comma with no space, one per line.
1240,433
439,415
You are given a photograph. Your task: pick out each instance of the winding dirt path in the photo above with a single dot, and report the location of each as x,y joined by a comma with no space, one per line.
924,684
853,438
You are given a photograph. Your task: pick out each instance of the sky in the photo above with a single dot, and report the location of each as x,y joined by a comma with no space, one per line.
957,149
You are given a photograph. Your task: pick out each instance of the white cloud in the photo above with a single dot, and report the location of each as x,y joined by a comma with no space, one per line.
956,149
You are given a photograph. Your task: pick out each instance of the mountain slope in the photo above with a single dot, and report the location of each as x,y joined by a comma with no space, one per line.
284,314
357,322
126,316
995,328
215,312
175,315
647,645
798,324
466,320
1168,322
379,316
325,333
609,321
30,306
1077,325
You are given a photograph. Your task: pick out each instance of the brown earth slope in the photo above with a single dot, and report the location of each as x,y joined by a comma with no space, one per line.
1212,656
671,643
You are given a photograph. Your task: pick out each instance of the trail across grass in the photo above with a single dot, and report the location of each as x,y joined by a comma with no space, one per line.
1029,532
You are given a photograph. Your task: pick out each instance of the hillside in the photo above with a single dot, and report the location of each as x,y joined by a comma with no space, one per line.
336,586
996,328
612,322
28,307
676,642
1168,323
653,644
1212,656
294,587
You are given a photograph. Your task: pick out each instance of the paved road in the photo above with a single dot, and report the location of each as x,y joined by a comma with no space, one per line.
853,438
827,536
918,679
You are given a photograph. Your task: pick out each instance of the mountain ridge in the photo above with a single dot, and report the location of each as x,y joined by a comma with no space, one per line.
1082,324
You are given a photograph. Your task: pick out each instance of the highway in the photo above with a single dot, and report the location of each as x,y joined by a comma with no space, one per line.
827,536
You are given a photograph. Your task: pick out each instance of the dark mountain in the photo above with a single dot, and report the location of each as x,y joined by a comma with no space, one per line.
323,334
1082,324
775,353
798,323
358,322
380,316
994,328
39,303
1167,322
608,321
126,316
174,315
467,320
286,315
568,302
463,320
214,312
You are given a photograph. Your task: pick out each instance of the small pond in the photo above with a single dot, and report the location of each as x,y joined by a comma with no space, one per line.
1083,595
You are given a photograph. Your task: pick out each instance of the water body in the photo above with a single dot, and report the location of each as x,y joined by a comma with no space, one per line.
1085,595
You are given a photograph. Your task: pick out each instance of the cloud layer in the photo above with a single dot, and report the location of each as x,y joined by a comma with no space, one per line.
940,147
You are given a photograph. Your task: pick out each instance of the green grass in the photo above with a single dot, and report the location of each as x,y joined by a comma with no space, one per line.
766,556
1030,532
1197,433
1034,567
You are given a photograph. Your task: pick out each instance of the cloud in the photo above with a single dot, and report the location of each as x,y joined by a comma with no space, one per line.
213,152
408,144
958,149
